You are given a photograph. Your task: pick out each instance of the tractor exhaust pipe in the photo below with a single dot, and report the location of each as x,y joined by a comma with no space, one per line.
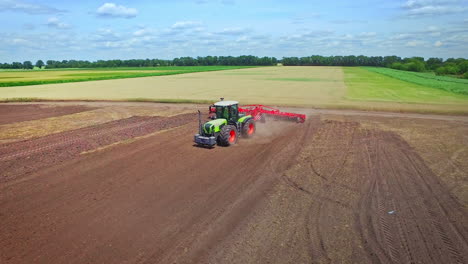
199,123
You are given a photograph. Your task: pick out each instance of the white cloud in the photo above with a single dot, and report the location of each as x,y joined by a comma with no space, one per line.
438,44
143,32
27,7
401,36
106,34
54,22
185,25
367,34
19,41
413,43
113,10
243,39
236,31
419,8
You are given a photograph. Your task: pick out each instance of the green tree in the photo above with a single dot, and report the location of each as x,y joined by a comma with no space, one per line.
40,63
463,66
28,65
16,65
434,63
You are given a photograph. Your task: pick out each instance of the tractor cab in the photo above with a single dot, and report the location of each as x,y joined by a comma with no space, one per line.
228,110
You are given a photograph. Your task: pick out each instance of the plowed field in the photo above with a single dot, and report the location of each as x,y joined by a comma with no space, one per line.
137,190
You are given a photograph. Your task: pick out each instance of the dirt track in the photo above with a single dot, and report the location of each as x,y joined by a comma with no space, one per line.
320,192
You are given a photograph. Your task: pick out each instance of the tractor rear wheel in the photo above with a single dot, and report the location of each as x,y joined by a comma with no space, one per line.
248,129
227,136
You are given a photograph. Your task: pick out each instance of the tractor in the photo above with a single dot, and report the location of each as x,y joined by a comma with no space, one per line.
226,126
229,120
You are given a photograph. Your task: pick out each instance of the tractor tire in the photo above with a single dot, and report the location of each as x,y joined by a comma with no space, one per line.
228,136
248,129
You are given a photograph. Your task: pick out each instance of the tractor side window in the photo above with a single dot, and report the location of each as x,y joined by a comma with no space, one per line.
234,112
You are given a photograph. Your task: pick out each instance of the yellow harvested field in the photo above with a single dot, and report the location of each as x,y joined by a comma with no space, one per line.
269,85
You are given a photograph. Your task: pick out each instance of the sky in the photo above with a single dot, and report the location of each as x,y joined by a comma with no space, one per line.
166,29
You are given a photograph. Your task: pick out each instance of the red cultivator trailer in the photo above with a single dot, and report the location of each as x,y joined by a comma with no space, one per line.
229,120
261,112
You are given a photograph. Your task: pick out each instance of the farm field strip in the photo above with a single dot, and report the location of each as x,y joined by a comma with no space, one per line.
370,85
37,77
201,86
449,84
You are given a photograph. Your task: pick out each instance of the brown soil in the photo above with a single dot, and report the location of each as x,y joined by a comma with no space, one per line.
319,192
354,196
24,157
18,113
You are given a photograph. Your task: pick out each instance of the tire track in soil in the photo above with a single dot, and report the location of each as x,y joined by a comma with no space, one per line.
427,225
327,193
314,217
419,230
20,158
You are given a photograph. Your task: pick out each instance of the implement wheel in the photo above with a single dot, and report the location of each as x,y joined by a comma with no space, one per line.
248,129
228,136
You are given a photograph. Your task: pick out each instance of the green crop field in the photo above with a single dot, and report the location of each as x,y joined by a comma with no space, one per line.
450,84
35,77
369,84
311,86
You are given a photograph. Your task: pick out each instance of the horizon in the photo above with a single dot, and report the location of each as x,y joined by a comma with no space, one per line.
100,30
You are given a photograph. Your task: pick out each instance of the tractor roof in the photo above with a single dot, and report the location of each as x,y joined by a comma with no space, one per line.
226,103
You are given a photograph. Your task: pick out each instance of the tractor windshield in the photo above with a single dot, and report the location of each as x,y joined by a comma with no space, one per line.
230,112
222,112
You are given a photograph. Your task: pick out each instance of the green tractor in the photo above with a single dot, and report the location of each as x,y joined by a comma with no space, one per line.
226,126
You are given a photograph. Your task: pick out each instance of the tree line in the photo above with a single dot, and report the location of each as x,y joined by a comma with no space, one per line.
440,66
183,61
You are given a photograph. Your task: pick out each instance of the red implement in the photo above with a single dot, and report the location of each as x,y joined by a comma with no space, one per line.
260,112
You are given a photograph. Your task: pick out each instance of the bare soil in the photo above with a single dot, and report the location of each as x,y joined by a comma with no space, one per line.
11,113
325,191
28,156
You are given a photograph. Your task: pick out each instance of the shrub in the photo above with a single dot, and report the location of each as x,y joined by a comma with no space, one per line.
441,71
396,66
415,66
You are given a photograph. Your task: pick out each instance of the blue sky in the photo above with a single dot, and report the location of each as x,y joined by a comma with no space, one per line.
92,30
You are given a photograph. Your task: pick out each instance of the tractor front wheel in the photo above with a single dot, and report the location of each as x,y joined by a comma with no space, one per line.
227,136
248,129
